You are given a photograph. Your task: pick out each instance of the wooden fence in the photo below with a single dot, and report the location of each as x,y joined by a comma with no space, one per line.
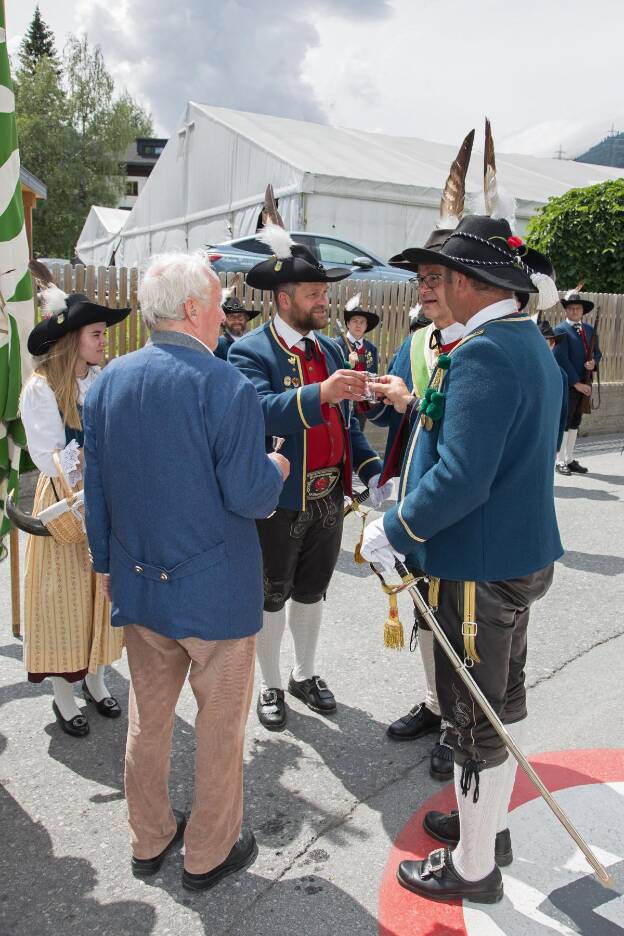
117,287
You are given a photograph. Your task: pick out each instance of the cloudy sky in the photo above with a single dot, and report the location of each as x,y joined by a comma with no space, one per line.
547,72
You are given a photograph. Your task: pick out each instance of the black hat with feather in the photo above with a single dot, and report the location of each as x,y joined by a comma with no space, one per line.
64,313
231,304
573,297
451,206
290,262
353,307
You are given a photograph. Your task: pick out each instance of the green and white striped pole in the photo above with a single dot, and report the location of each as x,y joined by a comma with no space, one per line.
16,310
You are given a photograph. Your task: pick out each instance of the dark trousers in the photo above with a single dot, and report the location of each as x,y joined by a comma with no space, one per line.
575,409
300,549
502,614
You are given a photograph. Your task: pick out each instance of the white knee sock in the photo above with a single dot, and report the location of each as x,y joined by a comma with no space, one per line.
268,644
474,856
65,698
304,621
561,454
518,731
572,434
96,685
426,642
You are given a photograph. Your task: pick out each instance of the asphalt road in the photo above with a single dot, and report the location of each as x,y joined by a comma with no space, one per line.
328,797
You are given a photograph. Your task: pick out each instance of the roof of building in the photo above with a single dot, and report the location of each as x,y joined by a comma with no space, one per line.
134,156
31,182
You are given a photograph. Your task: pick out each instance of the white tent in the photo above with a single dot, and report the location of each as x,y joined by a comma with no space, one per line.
380,192
100,235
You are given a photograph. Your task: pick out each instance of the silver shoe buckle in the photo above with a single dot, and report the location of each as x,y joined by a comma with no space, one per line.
435,861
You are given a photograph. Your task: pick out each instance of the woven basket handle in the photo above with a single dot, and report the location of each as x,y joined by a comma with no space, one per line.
65,485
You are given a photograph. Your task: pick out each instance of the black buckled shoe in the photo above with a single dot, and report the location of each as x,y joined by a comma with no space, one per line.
271,709
575,468
445,828
442,761
562,469
242,854
418,721
77,727
436,879
314,692
108,707
144,867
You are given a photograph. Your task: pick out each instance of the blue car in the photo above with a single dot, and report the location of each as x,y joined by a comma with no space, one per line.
239,256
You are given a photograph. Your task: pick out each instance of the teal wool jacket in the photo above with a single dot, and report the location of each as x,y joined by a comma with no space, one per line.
290,407
476,499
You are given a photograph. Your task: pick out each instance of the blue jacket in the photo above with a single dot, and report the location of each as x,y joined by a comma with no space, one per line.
224,344
563,416
175,475
370,352
476,496
384,415
570,354
290,407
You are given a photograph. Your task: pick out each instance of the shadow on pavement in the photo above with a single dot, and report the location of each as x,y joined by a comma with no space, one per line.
62,884
593,563
608,479
572,493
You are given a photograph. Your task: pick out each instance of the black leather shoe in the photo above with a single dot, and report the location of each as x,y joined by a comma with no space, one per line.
314,692
575,468
442,761
242,854
418,721
436,879
562,470
77,727
445,828
271,709
144,867
108,707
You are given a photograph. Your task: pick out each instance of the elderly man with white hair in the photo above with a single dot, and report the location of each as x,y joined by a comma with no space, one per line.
176,475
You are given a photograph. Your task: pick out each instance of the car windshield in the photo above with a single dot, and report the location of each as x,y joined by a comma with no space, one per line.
333,251
253,246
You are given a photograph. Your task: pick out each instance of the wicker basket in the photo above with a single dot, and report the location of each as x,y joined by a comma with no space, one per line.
67,528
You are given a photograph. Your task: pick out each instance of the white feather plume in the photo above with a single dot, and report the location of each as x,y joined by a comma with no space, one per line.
52,300
504,207
447,222
226,293
414,312
353,302
277,239
476,203
547,295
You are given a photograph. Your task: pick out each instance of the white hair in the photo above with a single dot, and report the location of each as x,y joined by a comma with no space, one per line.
170,280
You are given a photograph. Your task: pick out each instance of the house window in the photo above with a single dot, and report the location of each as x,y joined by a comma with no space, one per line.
132,187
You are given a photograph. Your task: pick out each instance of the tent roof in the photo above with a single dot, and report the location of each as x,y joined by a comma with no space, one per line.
321,150
111,219
100,234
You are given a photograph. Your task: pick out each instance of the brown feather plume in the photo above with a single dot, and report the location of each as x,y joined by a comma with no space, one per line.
454,193
489,170
579,288
41,273
269,210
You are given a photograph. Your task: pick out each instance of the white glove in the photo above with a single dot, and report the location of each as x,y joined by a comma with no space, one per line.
379,494
376,547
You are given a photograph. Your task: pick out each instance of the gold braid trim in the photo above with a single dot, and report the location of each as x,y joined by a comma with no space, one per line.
434,592
469,626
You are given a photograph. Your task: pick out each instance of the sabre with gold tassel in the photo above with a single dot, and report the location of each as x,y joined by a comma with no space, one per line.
393,637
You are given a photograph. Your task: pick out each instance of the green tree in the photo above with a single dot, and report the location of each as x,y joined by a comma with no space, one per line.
583,232
37,43
73,133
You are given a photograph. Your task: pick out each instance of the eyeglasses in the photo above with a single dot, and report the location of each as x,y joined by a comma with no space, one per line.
430,280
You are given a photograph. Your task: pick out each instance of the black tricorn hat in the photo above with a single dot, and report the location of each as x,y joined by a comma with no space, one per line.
233,304
485,249
77,311
572,297
547,331
353,307
290,263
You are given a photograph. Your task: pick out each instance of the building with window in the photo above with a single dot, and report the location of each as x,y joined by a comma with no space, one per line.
141,157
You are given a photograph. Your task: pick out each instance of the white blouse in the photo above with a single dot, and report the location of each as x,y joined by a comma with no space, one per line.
43,424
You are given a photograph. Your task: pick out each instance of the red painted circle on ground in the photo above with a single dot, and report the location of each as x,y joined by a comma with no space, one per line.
402,913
